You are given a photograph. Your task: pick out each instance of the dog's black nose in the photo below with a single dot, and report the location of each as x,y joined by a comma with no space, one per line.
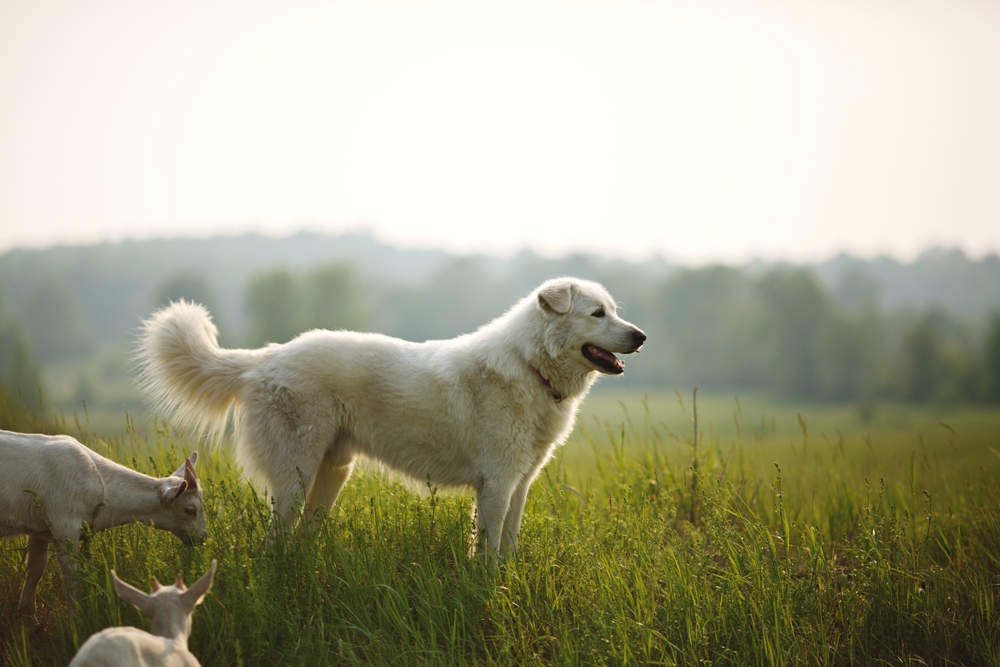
638,338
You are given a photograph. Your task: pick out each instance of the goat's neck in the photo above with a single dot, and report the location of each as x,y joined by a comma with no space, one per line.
172,624
128,496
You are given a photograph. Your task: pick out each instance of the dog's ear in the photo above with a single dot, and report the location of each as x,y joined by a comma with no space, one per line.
555,298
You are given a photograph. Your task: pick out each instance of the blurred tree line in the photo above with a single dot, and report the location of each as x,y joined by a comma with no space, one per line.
20,374
781,330
805,333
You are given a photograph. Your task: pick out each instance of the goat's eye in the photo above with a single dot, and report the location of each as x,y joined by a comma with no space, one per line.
190,511
598,313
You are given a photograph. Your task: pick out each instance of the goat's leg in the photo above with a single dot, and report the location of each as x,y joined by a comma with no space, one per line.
66,546
38,555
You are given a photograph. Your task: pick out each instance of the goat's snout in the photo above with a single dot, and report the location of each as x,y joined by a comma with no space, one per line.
190,540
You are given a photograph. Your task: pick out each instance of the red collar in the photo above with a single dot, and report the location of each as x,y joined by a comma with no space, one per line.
548,385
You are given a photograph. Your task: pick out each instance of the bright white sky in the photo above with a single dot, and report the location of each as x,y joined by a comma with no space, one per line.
702,130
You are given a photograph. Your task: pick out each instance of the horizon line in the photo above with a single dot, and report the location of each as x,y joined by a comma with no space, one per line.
372,233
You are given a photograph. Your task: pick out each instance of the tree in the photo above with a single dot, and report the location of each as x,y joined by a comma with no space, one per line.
992,359
857,291
189,286
708,318
20,372
332,300
192,286
934,360
273,302
54,324
457,298
795,311
852,349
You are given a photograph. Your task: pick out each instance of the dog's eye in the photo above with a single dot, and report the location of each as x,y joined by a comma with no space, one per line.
190,511
598,313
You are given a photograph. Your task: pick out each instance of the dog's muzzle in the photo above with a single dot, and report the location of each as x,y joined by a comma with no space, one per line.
638,338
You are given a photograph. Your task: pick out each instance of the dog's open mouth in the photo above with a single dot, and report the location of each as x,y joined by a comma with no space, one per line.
604,360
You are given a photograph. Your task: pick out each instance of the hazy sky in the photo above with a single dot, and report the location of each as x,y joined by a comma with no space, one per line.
701,129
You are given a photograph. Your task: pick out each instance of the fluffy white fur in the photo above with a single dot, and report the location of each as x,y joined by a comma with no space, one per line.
483,410
169,610
51,485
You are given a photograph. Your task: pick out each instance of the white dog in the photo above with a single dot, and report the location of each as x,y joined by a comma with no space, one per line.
484,410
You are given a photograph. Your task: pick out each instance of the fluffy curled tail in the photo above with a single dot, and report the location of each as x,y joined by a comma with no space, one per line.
184,371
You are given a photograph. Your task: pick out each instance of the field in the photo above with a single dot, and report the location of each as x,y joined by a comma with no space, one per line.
779,534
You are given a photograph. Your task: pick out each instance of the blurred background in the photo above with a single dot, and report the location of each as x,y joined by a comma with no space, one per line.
796,201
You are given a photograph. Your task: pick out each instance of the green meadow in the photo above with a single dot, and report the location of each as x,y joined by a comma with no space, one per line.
668,530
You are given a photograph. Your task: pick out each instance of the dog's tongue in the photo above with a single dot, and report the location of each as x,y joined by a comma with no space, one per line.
607,356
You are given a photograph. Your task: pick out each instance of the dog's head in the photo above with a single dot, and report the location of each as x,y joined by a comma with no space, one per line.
581,323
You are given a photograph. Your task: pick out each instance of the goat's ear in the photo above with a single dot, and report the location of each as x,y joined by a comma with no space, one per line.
170,488
189,460
156,584
132,595
194,595
189,474
555,298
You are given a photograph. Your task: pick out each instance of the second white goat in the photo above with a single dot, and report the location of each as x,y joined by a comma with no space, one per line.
169,610
52,485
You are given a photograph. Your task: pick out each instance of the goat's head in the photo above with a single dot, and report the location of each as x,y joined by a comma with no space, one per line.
182,510
167,607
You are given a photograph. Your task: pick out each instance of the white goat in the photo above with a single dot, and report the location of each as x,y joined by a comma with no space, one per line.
51,485
169,610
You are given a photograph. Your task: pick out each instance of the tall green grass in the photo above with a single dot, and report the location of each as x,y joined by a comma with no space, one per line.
818,541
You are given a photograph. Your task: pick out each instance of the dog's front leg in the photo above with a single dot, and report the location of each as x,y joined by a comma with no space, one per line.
512,522
492,500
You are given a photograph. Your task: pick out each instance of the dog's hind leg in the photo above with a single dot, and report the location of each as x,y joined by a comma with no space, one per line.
288,486
331,475
286,449
329,480
287,493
